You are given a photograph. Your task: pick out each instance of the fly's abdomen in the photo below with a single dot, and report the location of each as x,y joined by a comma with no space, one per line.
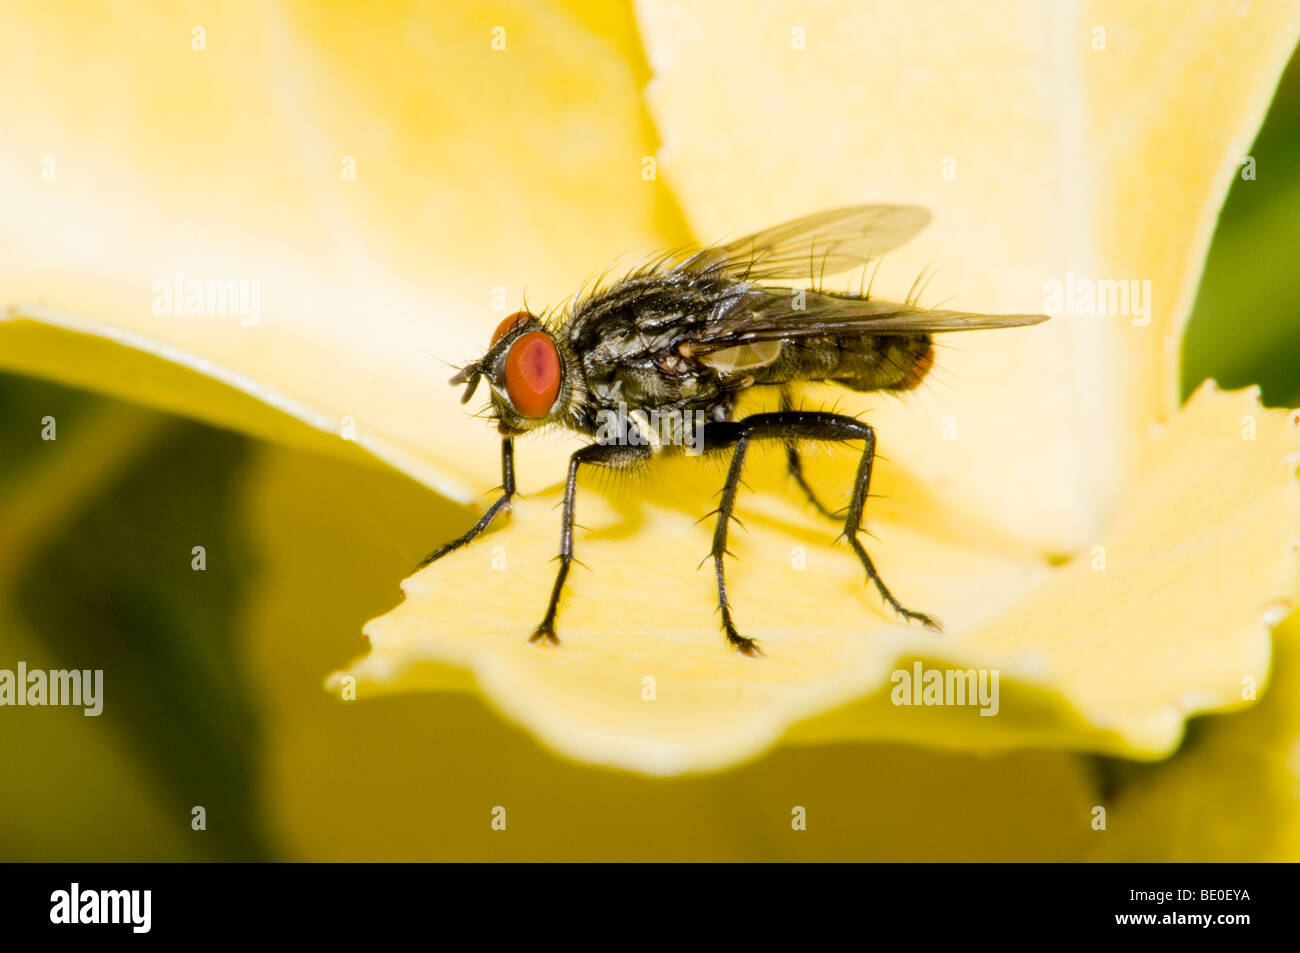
867,363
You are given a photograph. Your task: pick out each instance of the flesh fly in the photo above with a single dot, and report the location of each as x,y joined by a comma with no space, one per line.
683,336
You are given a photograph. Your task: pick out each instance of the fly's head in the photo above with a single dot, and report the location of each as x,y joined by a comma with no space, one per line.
531,376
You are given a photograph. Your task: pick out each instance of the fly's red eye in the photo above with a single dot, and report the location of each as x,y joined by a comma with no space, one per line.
505,327
533,374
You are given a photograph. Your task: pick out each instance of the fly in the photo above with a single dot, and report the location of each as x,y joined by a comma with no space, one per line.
683,336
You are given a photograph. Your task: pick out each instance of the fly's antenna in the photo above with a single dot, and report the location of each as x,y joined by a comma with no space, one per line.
443,361
454,367
468,375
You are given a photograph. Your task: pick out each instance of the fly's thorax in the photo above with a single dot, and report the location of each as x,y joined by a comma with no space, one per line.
663,382
657,428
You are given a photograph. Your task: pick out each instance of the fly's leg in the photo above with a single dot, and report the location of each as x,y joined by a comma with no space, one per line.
795,466
597,454
853,429
788,425
738,434
501,503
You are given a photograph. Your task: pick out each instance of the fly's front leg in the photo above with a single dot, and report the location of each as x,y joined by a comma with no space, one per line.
597,454
501,503
719,435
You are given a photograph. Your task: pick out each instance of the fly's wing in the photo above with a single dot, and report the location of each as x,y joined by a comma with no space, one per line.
786,314
824,243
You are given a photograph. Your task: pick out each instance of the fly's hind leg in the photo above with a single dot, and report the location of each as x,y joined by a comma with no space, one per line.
597,454
790,425
854,429
795,467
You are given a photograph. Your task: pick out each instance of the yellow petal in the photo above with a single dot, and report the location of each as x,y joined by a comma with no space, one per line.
1232,794
478,171
1198,562
1171,612
1042,157
341,780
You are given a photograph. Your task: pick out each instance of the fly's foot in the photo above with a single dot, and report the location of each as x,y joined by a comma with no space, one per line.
873,579
545,634
931,623
740,643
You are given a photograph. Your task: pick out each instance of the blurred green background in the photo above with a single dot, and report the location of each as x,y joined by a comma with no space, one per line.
214,691
1245,327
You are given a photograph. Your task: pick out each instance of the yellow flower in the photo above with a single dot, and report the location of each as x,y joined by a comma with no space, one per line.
382,185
